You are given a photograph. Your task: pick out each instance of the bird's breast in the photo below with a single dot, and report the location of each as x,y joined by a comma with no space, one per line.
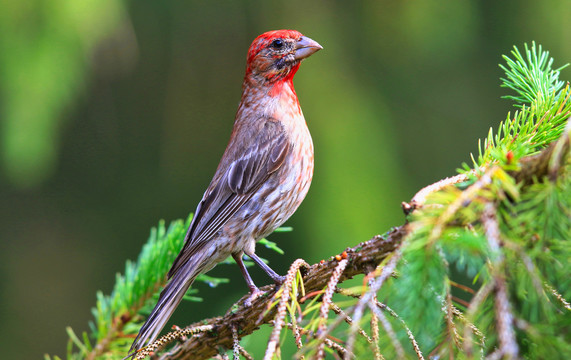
284,190
295,175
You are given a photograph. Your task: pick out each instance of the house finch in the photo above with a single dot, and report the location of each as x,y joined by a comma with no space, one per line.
261,180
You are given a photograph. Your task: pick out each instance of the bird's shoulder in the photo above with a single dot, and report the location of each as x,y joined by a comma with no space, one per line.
256,138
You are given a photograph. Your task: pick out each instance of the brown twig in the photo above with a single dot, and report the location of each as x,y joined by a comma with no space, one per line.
338,311
448,309
504,317
389,330
409,333
369,295
558,296
547,162
375,336
326,302
279,319
465,197
419,198
475,304
375,329
236,344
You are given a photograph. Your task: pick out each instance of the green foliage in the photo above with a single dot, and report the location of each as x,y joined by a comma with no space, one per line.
118,315
449,241
531,77
509,263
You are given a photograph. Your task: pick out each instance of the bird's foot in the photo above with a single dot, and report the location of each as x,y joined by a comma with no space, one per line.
254,294
278,280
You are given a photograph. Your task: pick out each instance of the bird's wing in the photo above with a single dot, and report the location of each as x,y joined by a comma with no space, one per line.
235,182
245,166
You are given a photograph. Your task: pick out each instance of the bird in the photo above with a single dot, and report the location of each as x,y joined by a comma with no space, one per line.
262,178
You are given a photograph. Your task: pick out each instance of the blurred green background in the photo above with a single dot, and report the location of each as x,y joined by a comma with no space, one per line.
114,115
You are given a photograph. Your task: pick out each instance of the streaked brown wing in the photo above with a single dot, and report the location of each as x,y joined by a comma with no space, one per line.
238,182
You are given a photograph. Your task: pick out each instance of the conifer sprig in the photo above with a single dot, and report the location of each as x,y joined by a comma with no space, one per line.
451,238
531,76
117,317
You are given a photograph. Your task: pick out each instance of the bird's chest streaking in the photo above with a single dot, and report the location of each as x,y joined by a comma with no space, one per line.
279,197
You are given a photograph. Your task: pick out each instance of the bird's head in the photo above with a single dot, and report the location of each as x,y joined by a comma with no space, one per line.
275,55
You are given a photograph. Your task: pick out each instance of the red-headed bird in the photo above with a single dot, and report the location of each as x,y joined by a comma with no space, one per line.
261,180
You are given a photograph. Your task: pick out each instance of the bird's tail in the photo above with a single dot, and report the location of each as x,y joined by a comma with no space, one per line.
169,299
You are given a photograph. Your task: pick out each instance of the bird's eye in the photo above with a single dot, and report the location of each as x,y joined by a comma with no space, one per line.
277,43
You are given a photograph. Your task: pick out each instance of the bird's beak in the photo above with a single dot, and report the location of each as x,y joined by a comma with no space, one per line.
305,47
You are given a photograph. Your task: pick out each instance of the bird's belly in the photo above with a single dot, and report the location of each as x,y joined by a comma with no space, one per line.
274,202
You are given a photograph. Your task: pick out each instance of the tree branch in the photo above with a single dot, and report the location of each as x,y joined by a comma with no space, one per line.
242,320
362,259
547,162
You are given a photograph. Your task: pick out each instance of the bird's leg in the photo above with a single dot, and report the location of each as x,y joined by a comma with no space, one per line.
254,291
278,279
238,258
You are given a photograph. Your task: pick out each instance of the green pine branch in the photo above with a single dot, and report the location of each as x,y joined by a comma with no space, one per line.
506,229
531,77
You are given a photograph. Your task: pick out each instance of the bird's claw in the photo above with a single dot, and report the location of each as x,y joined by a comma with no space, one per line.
278,280
254,294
